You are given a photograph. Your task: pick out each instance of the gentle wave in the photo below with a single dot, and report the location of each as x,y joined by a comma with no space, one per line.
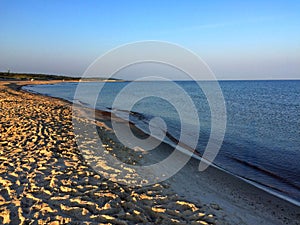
262,139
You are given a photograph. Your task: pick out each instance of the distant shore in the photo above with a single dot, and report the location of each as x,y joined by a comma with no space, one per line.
208,197
9,76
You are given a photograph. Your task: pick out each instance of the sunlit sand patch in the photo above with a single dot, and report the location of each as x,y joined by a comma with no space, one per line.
189,205
2,200
44,208
83,202
65,189
143,196
30,196
66,182
53,181
5,183
48,183
108,217
42,168
58,198
175,221
63,220
157,209
74,211
47,192
5,214
108,194
68,163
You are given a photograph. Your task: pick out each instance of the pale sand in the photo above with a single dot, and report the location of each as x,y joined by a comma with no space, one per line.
230,199
44,178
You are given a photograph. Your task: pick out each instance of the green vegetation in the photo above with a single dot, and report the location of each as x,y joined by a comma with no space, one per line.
29,76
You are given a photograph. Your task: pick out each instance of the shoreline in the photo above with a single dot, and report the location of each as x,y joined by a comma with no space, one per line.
183,147
44,178
185,185
279,200
262,208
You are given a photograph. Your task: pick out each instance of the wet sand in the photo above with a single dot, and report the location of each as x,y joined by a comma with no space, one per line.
45,179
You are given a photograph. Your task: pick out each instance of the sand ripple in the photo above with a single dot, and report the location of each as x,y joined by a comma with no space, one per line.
44,179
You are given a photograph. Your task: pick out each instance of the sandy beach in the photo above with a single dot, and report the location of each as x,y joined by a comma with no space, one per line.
44,179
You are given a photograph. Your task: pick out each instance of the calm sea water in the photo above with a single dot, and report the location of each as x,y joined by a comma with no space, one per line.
262,139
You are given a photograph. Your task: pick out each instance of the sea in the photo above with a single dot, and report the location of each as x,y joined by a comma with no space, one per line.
262,137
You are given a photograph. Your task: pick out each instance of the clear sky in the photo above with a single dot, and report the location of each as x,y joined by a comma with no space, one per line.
237,39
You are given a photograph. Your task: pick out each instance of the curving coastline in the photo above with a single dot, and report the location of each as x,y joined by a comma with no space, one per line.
236,203
45,180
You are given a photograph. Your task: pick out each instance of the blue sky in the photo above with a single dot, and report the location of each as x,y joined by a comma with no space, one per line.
237,39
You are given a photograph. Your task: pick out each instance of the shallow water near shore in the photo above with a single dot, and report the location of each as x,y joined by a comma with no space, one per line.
262,137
